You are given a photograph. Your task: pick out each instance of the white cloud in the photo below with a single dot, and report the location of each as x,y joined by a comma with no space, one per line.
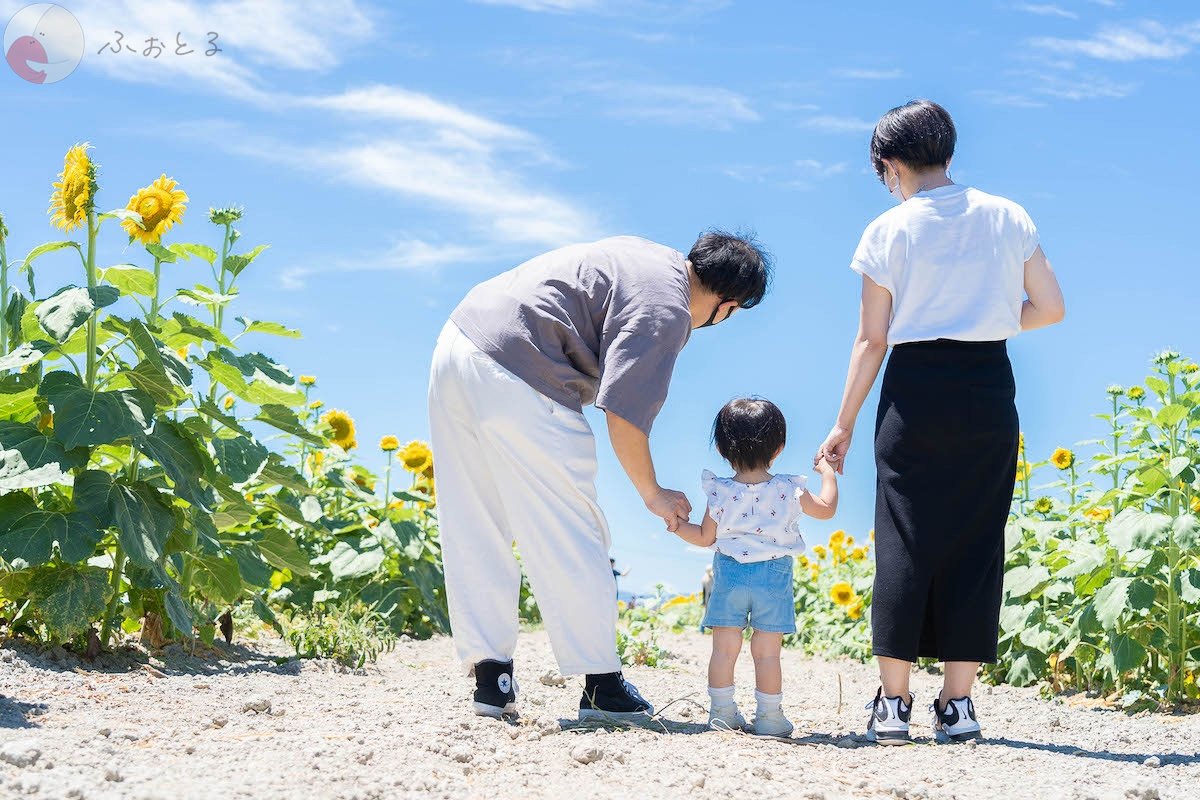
403,256
546,5
800,174
820,169
399,104
703,106
1046,10
642,8
869,74
828,123
1009,99
1146,40
1083,87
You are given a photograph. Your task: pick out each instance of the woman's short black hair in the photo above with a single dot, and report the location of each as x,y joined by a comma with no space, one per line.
919,133
749,432
733,267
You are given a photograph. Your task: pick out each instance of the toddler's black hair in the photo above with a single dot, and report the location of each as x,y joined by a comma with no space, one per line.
748,432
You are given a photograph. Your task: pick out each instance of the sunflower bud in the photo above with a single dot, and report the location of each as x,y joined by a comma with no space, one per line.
1136,392
225,216
1116,390
3,229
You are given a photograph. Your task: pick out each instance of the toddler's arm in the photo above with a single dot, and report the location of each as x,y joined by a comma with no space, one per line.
824,505
702,535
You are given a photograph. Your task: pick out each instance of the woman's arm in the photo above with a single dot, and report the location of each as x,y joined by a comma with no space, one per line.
866,357
1045,305
702,535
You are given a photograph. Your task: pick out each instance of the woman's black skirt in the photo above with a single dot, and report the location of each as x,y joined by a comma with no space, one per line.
946,450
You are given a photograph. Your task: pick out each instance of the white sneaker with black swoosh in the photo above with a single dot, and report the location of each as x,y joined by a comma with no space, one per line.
957,723
889,719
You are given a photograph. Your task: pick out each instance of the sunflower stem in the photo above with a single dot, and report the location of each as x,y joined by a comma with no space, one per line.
152,317
3,294
93,228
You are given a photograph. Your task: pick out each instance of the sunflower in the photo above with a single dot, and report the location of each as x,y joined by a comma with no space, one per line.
1189,368
1043,505
316,459
161,207
228,402
389,443
1062,458
1195,505
1023,470
1099,514
183,352
316,404
855,611
364,482
842,593
75,191
1021,442
837,538
1136,393
416,456
343,428
802,560
858,554
308,380
871,534
819,551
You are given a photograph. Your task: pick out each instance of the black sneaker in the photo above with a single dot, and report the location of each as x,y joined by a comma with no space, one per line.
889,719
957,723
495,689
611,697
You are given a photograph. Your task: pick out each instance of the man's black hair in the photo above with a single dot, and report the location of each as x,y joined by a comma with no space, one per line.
749,432
732,267
919,134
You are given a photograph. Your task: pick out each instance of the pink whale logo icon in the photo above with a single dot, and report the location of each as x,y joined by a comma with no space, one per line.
43,43
25,52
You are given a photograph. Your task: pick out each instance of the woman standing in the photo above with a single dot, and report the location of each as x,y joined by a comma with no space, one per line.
948,275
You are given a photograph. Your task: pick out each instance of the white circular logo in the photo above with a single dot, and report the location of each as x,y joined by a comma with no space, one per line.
43,43
504,682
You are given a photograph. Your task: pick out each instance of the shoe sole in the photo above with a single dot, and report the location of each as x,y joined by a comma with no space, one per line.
955,738
599,715
495,712
888,738
781,735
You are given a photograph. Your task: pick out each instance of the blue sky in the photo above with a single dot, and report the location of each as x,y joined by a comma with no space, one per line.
395,154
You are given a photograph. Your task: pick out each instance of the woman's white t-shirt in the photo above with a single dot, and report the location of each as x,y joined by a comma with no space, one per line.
953,259
756,521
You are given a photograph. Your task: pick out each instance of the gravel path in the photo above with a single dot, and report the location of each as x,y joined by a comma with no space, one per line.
241,724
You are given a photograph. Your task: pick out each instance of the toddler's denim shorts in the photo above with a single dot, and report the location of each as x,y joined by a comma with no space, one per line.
759,594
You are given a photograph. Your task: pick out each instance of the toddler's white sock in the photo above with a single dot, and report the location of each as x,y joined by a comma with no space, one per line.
767,702
720,697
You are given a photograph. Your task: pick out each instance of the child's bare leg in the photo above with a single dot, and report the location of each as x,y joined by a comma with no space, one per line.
765,647
727,644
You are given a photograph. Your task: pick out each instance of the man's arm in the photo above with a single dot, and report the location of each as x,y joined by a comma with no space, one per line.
632,447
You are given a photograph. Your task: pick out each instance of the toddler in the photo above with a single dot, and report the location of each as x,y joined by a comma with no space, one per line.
752,523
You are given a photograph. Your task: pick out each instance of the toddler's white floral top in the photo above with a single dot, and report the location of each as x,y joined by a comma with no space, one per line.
756,521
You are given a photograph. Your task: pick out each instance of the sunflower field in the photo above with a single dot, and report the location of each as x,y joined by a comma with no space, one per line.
159,472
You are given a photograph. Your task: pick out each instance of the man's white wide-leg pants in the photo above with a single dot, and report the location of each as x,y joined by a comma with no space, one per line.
511,464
